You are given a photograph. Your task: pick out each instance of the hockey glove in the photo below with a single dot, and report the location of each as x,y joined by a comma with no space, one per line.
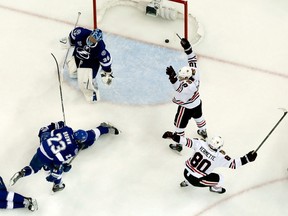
171,73
55,175
171,135
106,77
66,167
186,46
57,125
251,156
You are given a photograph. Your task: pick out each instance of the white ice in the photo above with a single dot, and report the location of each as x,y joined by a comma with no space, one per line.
243,64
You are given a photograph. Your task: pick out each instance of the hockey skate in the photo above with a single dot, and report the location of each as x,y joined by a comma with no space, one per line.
111,128
31,204
58,187
202,133
16,177
219,190
184,184
176,147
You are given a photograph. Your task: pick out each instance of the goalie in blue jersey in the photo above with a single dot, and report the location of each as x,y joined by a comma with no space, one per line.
59,144
12,200
88,56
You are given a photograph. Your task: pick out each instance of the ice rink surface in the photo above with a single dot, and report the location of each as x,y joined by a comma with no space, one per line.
244,80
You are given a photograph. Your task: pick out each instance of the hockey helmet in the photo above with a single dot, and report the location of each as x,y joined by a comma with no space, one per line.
215,142
95,36
80,136
186,72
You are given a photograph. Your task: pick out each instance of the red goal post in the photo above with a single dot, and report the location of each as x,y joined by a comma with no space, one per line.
184,2
189,21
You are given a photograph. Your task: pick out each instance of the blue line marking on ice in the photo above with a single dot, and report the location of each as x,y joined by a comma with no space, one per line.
139,71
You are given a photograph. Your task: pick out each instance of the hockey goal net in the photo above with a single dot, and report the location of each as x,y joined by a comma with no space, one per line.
152,21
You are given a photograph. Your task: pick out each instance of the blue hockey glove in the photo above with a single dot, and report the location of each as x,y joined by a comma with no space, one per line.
55,174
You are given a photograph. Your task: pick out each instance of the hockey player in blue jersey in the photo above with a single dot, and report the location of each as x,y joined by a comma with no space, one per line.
89,54
12,200
58,145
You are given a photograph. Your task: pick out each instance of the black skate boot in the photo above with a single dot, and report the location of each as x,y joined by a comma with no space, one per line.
58,187
176,147
202,133
31,204
219,190
111,128
184,184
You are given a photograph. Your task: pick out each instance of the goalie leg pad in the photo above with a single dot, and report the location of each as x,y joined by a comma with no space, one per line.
72,67
87,85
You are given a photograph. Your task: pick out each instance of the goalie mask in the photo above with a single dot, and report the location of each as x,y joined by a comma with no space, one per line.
186,73
215,143
80,136
95,36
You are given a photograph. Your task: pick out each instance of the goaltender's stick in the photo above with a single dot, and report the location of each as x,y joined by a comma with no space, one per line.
79,13
285,112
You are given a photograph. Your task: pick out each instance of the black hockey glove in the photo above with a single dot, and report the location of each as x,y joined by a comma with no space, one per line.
249,157
171,73
171,135
186,46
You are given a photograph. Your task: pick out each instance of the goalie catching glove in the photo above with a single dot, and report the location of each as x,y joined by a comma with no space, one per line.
106,77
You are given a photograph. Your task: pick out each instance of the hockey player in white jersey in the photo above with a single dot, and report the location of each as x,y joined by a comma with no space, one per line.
207,156
186,86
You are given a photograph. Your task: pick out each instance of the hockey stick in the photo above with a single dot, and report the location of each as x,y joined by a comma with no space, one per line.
179,36
79,13
60,88
285,112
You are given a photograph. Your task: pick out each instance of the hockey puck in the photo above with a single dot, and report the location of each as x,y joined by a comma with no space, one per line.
166,40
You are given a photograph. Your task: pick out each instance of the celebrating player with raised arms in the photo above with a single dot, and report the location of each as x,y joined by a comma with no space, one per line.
186,85
207,156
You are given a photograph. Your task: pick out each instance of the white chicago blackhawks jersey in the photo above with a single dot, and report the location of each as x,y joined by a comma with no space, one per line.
186,92
204,160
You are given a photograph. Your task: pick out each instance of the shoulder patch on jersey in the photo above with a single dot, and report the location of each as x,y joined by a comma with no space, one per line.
227,157
103,53
222,152
76,32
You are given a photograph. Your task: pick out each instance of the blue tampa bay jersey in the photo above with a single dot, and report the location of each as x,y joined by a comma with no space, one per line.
90,56
58,147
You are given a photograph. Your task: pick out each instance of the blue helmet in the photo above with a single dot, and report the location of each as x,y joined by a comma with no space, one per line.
80,136
96,35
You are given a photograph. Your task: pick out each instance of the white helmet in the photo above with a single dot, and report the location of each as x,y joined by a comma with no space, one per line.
215,142
186,72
